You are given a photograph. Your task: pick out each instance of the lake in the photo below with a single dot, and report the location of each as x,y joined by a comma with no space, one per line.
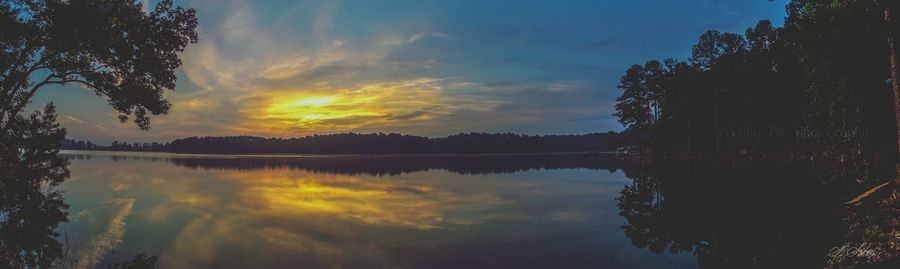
194,211
453,211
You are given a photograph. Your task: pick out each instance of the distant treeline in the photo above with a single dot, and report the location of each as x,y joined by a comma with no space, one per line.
374,143
70,144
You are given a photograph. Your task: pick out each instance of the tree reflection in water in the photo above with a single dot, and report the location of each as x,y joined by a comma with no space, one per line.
759,216
31,206
384,165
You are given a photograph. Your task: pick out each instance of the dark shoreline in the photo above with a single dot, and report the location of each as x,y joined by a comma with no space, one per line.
376,164
288,155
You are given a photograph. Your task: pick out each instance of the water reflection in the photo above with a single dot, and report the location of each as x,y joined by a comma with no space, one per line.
28,221
522,211
743,216
31,207
353,212
382,165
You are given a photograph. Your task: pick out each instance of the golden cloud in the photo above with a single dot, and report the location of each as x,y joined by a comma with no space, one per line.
327,109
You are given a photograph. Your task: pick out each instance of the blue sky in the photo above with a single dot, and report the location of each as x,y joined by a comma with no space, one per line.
293,68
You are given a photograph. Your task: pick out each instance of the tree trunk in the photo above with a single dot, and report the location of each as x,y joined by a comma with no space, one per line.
688,109
895,78
716,118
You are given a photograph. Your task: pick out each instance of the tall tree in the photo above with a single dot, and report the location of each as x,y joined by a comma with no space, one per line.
632,107
677,105
890,8
654,77
732,83
30,203
110,46
718,57
848,55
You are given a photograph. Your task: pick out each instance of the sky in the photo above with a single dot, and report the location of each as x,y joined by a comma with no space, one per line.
432,68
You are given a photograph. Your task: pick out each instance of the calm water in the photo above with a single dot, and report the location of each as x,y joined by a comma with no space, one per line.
553,211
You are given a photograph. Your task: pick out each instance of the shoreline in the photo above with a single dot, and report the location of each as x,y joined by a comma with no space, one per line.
321,155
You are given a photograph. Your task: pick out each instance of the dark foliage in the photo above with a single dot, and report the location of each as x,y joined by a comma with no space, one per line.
140,261
375,143
31,206
109,46
789,214
115,146
388,165
733,83
822,88
820,84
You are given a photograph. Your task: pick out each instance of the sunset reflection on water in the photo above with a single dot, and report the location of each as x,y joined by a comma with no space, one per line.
282,217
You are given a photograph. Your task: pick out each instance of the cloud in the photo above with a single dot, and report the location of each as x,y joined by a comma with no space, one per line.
606,44
367,105
288,69
566,86
262,88
389,70
83,126
408,116
415,37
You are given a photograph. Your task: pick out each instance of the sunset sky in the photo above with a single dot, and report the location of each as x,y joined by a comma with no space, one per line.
433,68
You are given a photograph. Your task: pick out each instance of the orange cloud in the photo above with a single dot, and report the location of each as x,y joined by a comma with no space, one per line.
328,109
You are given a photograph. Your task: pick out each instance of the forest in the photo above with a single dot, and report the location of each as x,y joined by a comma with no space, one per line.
374,143
817,96
820,84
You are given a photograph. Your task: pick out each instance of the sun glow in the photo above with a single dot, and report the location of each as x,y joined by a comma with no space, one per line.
293,105
316,101
317,109
307,110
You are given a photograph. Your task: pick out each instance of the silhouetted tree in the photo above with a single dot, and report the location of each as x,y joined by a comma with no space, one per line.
633,106
849,54
111,47
31,206
753,92
865,28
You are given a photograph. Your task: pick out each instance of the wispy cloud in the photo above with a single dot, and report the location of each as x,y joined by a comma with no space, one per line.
472,70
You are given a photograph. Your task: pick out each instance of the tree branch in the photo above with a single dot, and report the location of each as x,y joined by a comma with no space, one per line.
19,82
85,83
25,101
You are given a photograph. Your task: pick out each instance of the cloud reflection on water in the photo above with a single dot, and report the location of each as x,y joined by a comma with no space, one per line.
279,217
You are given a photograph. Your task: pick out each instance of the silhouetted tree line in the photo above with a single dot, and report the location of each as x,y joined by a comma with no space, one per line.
387,165
821,82
70,144
396,165
375,143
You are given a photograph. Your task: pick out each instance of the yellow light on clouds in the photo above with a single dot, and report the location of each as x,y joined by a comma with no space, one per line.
322,108
305,110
